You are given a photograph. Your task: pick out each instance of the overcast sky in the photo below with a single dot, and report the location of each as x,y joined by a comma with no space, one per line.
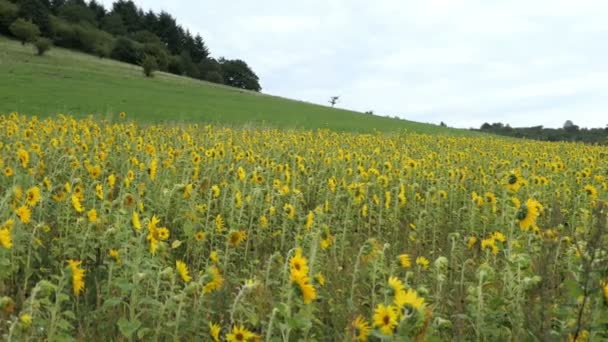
464,62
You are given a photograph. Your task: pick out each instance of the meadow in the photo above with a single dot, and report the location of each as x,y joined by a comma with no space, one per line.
69,82
159,232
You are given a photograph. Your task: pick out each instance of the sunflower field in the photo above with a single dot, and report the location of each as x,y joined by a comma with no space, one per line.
117,230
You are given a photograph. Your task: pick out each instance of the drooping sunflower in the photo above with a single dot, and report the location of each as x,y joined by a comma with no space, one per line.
362,328
308,291
405,261
236,237
385,318
182,270
216,281
422,262
5,238
395,285
214,331
77,276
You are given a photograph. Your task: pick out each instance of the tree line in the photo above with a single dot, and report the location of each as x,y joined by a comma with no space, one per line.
125,33
569,132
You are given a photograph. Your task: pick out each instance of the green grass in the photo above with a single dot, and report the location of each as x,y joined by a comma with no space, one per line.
74,83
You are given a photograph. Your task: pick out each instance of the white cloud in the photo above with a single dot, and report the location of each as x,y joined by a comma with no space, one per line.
464,62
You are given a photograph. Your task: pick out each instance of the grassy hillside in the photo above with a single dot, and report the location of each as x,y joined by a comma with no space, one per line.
74,83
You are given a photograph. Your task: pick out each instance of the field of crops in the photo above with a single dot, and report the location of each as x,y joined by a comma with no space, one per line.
130,232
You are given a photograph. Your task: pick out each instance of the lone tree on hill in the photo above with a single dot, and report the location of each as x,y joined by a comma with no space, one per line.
333,100
43,45
149,64
24,30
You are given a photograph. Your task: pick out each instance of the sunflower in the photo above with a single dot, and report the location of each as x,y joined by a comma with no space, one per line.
290,211
385,318
591,191
113,253
362,328
605,291
32,196
528,213
320,279
163,233
471,241
99,191
5,238
298,265
216,280
214,331
489,243
24,157
396,285
235,238
308,291
182,270
514,181
409,299
8,172
219,223
76,203
135,221
24,213
405,261
422,262
77,276
199,236
239,334
92,215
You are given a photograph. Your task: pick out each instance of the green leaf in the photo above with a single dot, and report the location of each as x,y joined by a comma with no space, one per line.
127,328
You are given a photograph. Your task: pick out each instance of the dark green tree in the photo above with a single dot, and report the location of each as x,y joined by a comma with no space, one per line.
38,12
98,10
238,74
24,30
188,67
200,51
76,12
126,50
114,24
8,14
130,14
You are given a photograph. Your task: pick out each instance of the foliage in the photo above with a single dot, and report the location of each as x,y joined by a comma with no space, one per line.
236,73
126,50
99,83
149,65
42,46
24,30
8,14
90,27
191,232
570,132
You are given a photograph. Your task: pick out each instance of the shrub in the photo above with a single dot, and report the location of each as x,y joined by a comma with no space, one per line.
42,45
149,64
126,50
24,30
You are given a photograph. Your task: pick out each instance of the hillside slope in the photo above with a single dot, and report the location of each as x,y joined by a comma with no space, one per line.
69,82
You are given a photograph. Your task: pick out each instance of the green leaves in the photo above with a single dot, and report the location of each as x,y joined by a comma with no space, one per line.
128,328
